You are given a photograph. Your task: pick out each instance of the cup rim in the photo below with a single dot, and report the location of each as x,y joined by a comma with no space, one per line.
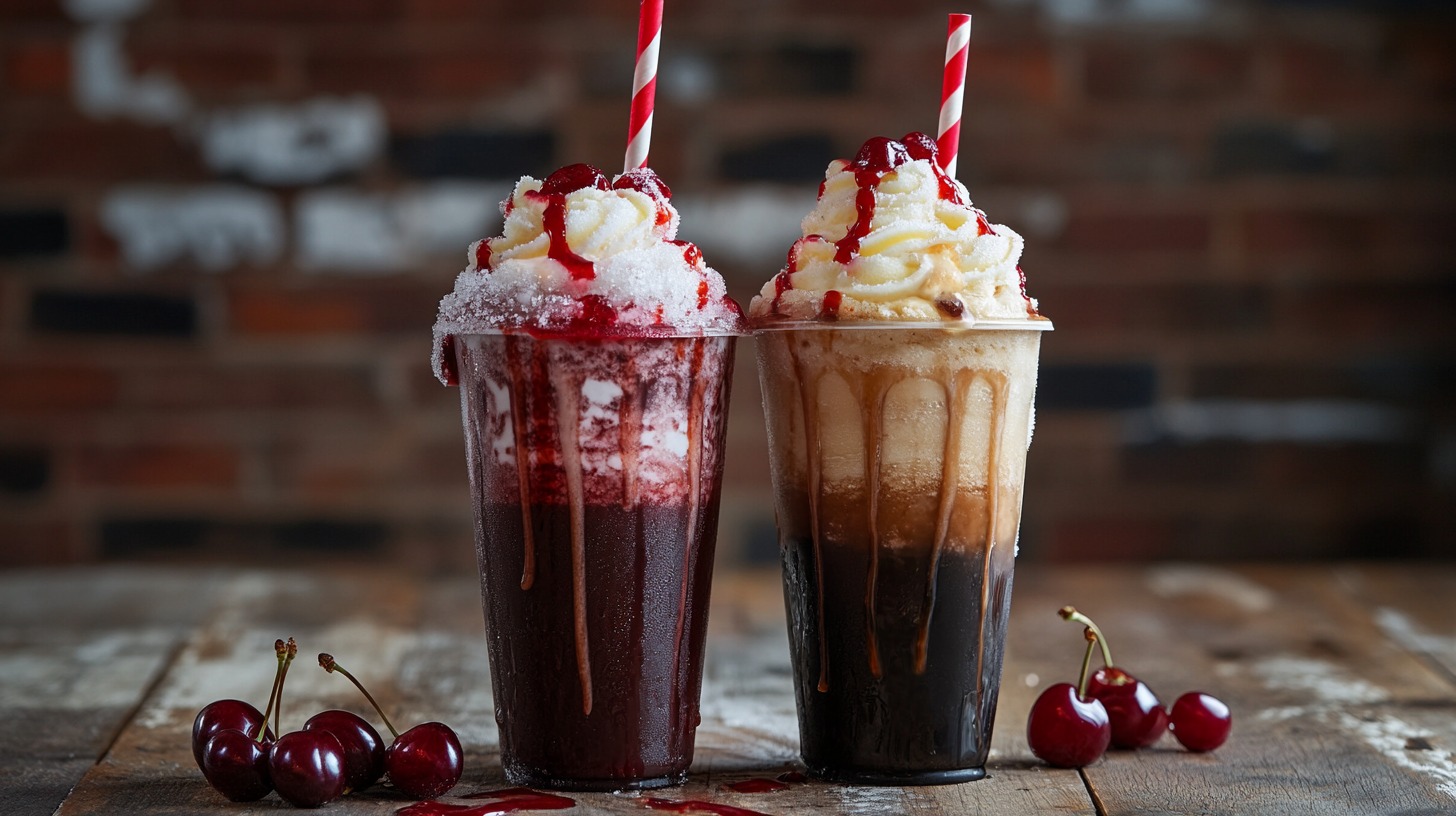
1038,324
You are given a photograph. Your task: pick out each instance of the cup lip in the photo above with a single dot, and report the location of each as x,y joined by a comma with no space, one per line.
1038,323
567,334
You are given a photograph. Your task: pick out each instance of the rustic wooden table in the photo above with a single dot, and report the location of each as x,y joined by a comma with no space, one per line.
1342,680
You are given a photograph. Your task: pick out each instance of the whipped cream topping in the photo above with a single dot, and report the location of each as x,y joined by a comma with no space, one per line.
583,256
893,238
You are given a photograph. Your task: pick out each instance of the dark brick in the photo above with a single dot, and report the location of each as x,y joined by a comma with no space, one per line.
24,471
331,536
118,313
1401,379
491,154
1208,463
1269,149
33,232
789,70
1096,387
129,538
788,159
123,538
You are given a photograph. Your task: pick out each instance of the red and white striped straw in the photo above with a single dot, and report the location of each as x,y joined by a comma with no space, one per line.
644,83
952,91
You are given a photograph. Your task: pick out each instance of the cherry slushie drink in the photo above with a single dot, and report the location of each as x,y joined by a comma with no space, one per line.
593,353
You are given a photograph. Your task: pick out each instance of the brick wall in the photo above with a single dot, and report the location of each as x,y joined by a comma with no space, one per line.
224,228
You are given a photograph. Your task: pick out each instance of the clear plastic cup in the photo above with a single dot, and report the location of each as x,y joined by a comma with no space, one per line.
898,454
595,469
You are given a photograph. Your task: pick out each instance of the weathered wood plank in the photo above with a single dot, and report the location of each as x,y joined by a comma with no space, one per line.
422,649
1414,607
1319,695
78,650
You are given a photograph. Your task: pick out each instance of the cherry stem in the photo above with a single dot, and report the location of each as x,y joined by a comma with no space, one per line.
281,650
291,651
1071,614
1092,638
330,665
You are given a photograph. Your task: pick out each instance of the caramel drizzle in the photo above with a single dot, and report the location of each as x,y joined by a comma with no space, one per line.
874,455
999,389
568,406
695,458
523,468
809,400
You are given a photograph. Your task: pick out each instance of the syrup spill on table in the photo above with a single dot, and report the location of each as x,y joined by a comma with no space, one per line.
696,806
507,800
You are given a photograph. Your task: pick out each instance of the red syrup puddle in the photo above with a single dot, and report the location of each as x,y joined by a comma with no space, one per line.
784,781
695,806
507,800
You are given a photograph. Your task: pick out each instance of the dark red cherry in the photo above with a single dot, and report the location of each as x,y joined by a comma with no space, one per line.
643,180
224,715
363,747
307,768
575,177
881,154
236,765
1137,716
425,761
1066,730
1201,722
920,146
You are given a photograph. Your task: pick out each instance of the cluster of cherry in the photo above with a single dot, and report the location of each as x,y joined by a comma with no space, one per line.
335,752
1071,726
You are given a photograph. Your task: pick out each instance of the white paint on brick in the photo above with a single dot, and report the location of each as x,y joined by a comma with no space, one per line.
104,86
105,11
1176,581
1088,13
344,230
750,225
215,227
1299,421
293,144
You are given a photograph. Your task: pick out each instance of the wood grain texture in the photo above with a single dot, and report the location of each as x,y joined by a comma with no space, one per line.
1339,708
1323,702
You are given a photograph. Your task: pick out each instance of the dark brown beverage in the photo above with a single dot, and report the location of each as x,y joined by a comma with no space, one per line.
898,455
595,531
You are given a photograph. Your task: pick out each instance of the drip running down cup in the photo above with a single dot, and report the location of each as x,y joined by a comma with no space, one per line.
898,456
595,468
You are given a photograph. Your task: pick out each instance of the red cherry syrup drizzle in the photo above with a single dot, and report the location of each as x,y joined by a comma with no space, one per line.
784,781
877,158
449,368
829,309
482,254
506,800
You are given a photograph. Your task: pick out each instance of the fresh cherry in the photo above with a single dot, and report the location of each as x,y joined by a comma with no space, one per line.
1066,728
643,180
363,747
920,146
234,740
575,177
1137,715
307,768
225,715
1201,722
235,764
425,761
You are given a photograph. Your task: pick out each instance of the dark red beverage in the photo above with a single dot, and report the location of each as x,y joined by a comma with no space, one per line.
595,531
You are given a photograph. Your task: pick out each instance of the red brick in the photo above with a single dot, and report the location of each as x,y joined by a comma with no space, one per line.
72,147
1177,72
1108,538
1136,232
431,72
334,309
1311,231
313,11
38,67
32,11
33,542
157,466
211,64
55,387
281,387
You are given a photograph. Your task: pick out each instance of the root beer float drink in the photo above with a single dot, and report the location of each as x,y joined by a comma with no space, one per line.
898,356
593,352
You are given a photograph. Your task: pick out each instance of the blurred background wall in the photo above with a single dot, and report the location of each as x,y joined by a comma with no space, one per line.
224,227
